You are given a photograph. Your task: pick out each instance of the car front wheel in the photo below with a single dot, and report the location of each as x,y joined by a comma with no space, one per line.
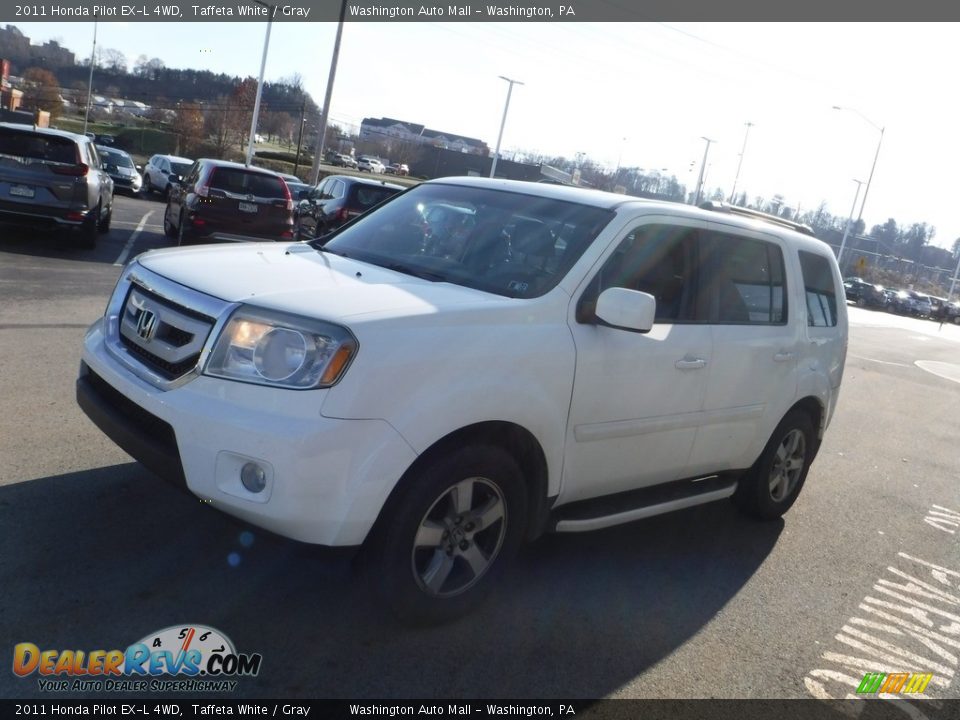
772,485
448,534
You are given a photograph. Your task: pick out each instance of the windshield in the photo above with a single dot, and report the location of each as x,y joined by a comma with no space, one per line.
508,243
112,157
180,168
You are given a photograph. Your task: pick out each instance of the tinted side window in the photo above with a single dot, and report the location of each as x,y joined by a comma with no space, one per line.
818,284
657,259
746,280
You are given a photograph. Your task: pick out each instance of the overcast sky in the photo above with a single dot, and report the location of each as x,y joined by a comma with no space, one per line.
643,94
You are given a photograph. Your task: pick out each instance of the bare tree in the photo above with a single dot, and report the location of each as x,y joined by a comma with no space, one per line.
114,61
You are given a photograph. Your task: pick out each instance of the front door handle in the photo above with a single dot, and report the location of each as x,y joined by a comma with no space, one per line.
691,364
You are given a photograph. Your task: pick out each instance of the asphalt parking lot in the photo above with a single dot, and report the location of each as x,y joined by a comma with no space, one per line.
97,553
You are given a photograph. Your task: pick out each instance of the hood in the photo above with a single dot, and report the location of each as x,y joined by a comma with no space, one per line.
299,279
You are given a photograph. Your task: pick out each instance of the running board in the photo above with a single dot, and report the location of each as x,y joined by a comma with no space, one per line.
626,507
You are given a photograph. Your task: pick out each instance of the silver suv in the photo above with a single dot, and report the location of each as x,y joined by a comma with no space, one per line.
54,179
162,171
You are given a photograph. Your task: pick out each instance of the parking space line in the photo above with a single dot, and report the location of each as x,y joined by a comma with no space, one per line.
883,362
120,261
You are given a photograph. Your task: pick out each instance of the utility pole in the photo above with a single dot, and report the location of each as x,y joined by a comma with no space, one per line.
325,114
263,66
703,166
93,52
303,109
733,193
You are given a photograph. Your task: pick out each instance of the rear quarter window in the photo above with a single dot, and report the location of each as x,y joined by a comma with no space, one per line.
819,288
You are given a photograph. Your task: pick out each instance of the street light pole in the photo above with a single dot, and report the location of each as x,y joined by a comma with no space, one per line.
876,155
263,67
496,153
703,167
733,193
846,232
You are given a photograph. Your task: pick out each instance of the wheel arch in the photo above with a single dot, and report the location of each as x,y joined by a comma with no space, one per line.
516,440
813,407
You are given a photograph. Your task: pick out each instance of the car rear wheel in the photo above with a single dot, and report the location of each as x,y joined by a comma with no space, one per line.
861,302
89,230
772,485
445,540
147,187
104,225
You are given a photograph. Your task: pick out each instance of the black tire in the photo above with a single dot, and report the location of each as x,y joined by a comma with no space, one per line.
453,569
103,227
168,229
768,489
90,230
147,188
861,302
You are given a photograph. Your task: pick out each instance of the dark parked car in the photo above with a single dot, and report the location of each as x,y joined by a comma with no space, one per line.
53,179
900,302
121,169
924,306
864,293
337,199
296,186
220,200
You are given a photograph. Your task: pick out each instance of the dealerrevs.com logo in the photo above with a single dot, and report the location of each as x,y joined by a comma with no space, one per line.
179,658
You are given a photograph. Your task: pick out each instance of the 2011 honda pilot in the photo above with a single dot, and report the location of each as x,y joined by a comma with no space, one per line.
568,361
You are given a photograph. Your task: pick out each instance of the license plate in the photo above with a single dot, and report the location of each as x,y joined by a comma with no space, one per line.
21,191
247,207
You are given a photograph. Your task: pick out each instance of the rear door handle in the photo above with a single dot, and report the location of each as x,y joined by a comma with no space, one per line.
691,364
782,356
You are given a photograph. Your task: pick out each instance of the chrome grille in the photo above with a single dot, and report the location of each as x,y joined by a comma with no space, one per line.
165,336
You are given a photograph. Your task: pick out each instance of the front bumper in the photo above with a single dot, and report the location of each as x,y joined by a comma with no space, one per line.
327,479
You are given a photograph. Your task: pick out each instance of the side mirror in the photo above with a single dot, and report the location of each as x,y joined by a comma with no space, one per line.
627,309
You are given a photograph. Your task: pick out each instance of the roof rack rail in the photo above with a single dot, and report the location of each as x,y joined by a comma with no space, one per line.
756,214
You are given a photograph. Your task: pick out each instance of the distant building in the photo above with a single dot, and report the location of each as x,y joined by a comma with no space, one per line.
18,49
391,129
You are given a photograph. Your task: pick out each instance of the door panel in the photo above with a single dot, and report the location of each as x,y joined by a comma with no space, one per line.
637,398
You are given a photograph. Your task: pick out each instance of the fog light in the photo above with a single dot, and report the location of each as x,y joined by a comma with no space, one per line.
253,477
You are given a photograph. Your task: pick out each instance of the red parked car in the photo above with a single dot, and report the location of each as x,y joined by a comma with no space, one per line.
220,200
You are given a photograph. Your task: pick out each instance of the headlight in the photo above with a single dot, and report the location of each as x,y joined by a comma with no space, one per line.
280,350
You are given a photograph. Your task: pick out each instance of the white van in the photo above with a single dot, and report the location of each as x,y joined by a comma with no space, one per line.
568,360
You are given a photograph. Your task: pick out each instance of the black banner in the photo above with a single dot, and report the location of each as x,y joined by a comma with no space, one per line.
867,709
392,11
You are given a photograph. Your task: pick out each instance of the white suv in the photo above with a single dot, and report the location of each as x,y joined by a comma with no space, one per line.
559,360
162,171
370,164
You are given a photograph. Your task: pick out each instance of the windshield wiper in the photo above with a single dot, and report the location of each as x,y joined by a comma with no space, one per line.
415,272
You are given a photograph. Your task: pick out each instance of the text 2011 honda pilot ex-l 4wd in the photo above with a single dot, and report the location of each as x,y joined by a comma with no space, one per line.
561,360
